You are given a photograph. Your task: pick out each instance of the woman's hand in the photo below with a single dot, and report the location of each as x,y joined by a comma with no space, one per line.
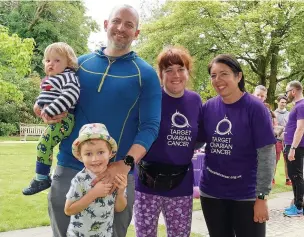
260,211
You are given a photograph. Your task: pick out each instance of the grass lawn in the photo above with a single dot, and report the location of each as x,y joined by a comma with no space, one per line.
17,162
17,138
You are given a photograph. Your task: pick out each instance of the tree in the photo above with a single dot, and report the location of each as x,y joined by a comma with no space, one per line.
48,22
16,53
10,102
17,94
264,36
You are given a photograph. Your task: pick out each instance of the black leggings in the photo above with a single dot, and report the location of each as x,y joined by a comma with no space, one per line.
295,173
228,218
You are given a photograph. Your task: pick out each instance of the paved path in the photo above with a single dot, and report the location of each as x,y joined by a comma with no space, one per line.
278,226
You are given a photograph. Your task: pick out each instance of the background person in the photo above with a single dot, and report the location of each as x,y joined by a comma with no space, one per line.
282,115
294,146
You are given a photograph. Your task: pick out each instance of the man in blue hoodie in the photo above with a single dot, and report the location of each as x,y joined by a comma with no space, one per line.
122,91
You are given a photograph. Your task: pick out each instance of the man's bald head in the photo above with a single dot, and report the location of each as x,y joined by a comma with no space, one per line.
125,6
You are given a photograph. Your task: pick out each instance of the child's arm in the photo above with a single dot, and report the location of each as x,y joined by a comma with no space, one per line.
121,200
74,207
68,98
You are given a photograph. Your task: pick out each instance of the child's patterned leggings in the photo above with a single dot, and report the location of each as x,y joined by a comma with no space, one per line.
177,212
52,135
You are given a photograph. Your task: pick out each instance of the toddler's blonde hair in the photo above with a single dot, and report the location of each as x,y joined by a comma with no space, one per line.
64,50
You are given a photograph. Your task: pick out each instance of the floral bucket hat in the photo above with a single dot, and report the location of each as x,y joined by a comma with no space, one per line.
93,131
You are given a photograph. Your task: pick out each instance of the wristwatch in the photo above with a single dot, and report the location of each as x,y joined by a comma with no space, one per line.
129,160
293,148
262,196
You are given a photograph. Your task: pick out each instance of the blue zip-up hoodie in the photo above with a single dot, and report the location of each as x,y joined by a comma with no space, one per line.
124,94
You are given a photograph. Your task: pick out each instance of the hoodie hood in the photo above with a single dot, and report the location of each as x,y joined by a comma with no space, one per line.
284,111
129,56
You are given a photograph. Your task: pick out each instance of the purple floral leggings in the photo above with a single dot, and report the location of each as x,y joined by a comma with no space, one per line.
177,212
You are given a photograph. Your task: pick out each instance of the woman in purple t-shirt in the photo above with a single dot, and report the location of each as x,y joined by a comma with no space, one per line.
164,178
240,155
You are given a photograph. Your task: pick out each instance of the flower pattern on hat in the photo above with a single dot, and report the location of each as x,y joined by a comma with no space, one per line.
93,131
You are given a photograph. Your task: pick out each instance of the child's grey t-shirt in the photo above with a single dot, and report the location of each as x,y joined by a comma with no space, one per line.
96,219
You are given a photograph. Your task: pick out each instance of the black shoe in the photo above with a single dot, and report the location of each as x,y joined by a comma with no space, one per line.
37,186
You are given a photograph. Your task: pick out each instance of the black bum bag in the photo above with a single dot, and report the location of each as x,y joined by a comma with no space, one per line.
160,176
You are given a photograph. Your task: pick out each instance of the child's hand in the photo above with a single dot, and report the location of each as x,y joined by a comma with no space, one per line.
121,182
101,189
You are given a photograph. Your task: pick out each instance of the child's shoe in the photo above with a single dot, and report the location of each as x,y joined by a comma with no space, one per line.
37,186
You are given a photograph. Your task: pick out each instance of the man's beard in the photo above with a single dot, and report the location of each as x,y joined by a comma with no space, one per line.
290,99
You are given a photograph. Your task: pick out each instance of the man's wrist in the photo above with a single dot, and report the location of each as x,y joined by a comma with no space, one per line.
125,166
129,161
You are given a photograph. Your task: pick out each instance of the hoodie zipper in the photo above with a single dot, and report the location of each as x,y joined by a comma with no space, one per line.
104,75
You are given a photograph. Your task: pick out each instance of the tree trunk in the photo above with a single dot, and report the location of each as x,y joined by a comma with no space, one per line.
261,67
273,75
40,9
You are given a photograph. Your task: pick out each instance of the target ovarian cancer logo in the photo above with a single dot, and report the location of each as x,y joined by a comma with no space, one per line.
180,133
221,143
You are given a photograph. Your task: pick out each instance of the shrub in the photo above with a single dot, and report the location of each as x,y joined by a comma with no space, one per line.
7,129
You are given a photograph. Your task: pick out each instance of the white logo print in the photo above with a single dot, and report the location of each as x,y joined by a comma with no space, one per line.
228,130
178,115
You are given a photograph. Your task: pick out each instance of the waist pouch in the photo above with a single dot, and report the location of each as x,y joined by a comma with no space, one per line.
160,176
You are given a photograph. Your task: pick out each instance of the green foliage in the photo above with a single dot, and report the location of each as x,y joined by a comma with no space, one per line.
264,35
15,53
17,95
30,88
10,104
48,22
7,129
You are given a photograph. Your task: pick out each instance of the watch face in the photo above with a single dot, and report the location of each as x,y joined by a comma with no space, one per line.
129,159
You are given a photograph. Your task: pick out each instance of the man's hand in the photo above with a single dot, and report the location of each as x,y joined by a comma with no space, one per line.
37,110
51,120
115,168
121,182
101,189
291,155
260,211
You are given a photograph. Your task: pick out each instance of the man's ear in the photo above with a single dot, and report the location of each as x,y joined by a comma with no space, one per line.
105,25
136,34
240,76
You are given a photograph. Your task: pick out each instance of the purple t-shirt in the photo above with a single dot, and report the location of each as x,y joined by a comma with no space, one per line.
296,113
177,136
233,133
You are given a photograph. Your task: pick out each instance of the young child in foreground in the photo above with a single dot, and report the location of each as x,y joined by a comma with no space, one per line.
60,91
92,208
